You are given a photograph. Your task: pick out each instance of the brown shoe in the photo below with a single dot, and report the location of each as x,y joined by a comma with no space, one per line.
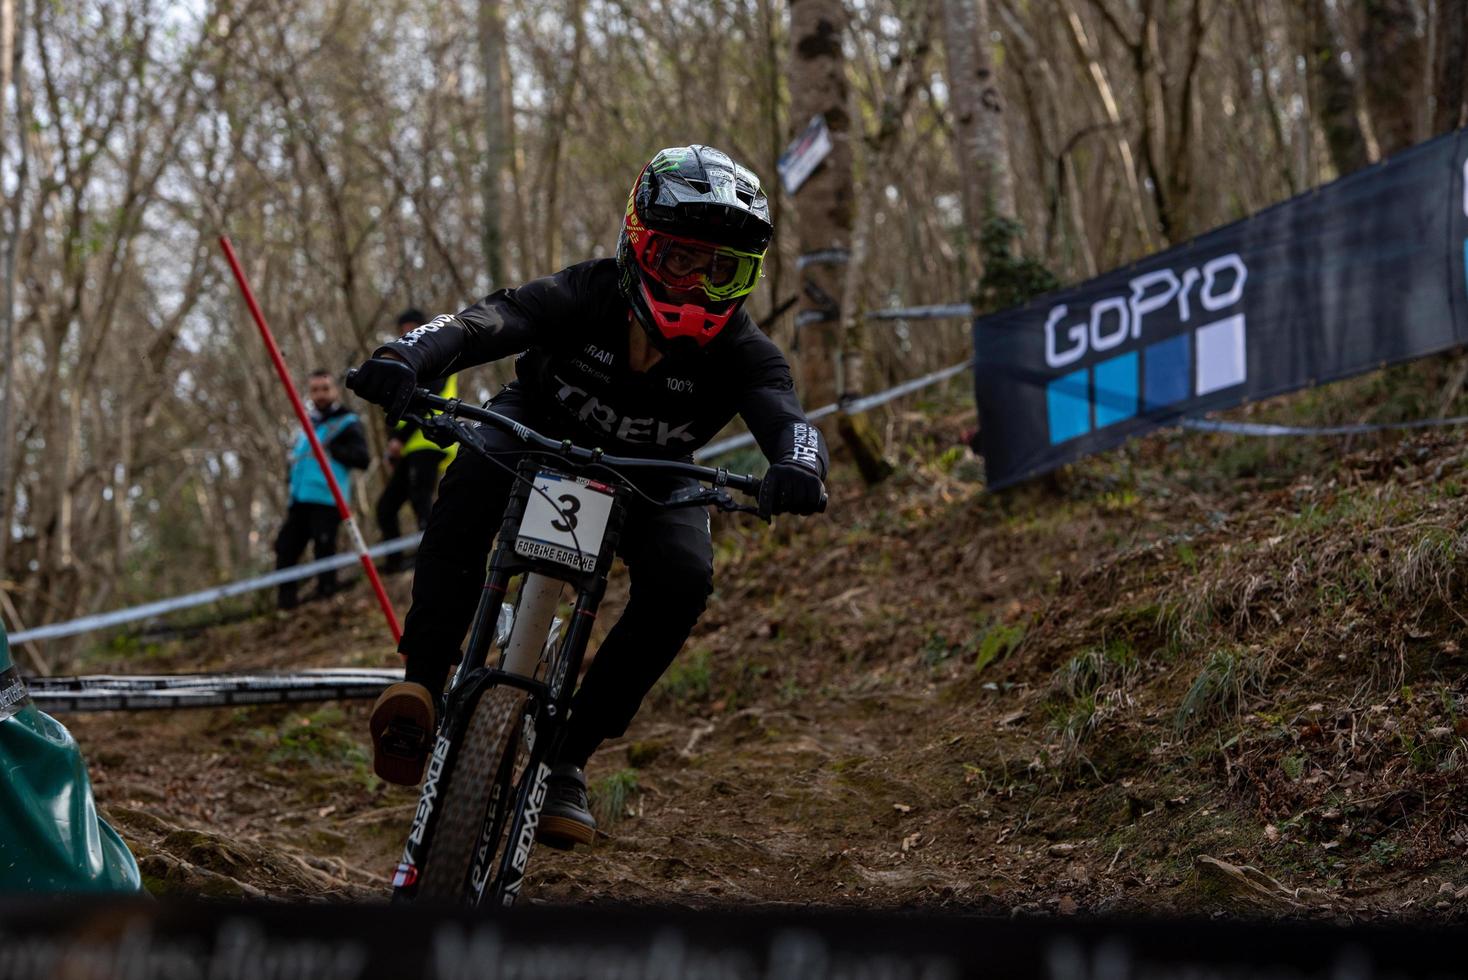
566,819
403,723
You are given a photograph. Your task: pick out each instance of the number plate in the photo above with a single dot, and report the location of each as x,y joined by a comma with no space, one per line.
570,531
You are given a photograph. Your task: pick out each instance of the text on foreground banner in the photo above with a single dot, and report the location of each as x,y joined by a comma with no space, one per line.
1364,272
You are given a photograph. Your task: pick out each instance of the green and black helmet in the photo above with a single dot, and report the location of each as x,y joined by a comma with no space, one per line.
693,242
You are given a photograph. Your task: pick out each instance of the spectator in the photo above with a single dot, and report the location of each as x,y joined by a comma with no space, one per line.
415,463
312,515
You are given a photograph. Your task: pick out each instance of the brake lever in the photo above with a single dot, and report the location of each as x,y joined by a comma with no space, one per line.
729,505
438,429
715,497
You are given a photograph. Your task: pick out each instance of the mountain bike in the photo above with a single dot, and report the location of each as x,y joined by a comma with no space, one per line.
479,807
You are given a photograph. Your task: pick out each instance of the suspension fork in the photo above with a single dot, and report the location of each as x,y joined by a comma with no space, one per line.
486,619
550,719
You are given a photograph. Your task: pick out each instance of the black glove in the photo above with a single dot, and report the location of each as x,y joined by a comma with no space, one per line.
388,382
790,488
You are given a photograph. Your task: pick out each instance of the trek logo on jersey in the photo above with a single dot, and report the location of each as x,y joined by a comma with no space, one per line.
593,411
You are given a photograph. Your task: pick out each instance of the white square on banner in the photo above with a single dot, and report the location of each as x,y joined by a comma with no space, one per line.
1221,359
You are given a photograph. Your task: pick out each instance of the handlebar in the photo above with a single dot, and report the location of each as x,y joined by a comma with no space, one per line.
717,476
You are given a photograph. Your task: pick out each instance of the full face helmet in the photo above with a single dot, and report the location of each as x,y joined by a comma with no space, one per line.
692,244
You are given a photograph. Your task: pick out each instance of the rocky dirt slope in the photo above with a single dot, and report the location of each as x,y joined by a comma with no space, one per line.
1203,673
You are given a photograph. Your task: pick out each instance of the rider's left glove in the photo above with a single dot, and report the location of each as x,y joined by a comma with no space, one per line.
388,382
790,488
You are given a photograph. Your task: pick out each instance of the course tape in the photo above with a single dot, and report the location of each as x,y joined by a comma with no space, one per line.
853,407
117,617
941,311
100,693
143,692
1267,429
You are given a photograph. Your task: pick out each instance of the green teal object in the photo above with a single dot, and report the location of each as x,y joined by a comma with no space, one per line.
51,838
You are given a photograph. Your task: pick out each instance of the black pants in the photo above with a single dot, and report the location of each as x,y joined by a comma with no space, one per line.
667,552
316,523
413,481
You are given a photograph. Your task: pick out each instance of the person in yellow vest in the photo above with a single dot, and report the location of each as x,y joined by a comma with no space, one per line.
414,462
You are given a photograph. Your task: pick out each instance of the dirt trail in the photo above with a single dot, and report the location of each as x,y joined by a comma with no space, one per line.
1133,688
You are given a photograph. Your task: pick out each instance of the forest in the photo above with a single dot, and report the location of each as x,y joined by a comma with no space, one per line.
369,155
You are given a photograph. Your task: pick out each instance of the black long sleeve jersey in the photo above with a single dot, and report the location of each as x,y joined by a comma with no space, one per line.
570,332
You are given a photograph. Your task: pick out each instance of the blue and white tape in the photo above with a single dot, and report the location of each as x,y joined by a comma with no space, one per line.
1270,430
854,407
87,624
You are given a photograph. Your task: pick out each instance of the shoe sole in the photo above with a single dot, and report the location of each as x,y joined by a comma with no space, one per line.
398,712
563,833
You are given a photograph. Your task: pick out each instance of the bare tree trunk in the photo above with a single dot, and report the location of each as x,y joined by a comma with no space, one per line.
7,60
1101,87
557,127
491,49
1253,19
10,51
1336,104
771,78
1450,66
824,203
857,431
1393,71
982,144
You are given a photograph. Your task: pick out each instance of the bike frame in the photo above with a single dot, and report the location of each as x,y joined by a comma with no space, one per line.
526,650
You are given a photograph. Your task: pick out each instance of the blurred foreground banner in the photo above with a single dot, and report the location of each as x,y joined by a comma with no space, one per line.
1359,274
81,940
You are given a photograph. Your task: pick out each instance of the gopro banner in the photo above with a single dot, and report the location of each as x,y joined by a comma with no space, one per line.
1361,273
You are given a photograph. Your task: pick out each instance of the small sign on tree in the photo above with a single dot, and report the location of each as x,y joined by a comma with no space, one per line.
803,156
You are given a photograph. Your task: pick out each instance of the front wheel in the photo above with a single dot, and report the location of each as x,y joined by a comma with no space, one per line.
475,799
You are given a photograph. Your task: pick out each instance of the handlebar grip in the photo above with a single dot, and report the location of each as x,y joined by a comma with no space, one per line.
821,507
351,376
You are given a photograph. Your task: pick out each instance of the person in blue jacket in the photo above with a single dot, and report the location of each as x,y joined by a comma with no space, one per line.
312,515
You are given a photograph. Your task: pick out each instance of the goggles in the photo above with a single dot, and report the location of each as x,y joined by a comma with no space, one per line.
683,264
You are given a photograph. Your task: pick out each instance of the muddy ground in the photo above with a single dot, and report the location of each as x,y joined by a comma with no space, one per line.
1199,674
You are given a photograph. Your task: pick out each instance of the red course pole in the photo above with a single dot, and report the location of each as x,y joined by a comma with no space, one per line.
290,389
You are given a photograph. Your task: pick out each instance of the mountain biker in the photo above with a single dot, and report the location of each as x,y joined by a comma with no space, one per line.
649,354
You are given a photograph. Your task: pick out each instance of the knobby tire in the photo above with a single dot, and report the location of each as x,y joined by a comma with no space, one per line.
464,806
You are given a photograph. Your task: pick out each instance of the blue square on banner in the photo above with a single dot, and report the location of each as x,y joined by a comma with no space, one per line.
1169,373
1068,402
1116,389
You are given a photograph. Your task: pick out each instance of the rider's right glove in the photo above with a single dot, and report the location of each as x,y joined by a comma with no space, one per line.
386,381
790,488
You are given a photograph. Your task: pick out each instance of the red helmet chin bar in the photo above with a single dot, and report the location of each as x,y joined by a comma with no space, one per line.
675,320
